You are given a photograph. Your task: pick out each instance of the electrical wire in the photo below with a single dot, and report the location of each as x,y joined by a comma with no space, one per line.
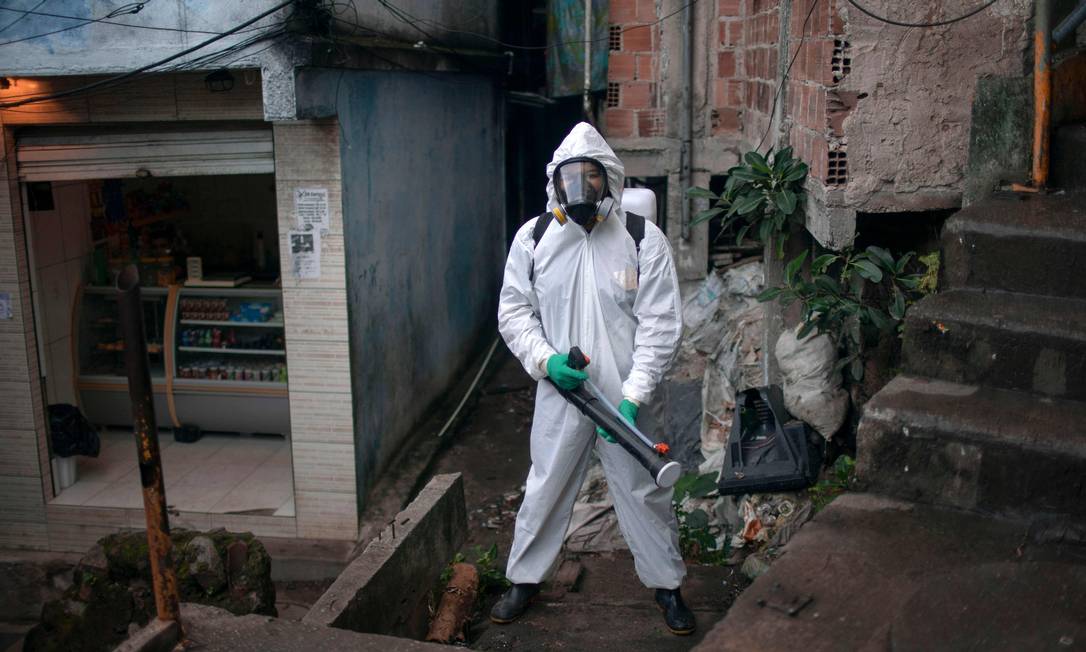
104,21
471,388
406,18
512,46
112,81
784,79
133,8
23,15
940,23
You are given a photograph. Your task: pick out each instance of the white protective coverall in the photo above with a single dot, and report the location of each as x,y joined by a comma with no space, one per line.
587,292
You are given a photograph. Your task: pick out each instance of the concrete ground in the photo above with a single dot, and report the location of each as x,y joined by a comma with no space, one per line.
873,573
607,608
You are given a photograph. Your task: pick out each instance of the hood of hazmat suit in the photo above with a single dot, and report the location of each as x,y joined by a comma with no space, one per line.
592,289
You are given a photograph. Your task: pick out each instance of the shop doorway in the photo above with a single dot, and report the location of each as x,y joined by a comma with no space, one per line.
207,247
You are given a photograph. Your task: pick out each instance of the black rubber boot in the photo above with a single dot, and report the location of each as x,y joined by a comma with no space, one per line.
513,603
679,619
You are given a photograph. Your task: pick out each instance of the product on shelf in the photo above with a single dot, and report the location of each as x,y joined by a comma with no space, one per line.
253,311
219,310
211,369
217,338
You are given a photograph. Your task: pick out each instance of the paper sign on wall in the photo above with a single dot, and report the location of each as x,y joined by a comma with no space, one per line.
311,209
305,253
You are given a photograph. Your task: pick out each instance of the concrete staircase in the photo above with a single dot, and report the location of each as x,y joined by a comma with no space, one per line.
971,533
990,413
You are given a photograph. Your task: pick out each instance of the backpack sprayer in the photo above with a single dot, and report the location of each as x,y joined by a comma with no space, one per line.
593,404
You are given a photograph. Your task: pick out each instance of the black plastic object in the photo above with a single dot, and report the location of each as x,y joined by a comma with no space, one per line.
71,432
768,450
187,434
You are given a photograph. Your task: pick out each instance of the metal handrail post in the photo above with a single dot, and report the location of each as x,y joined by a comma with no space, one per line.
144,425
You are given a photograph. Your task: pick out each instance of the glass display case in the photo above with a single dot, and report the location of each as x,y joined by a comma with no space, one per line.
228,362
218,358
98,352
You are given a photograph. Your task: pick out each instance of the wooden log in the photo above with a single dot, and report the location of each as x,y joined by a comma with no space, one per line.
456,606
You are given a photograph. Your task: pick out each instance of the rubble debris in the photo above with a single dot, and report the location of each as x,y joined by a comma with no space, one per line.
456,606
812,383
111,587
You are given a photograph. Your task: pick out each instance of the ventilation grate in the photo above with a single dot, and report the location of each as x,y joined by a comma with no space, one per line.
841,62
612,94
614,38
837,167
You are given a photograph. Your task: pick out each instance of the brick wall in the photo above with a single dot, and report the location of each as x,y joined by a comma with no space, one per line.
632,103
822,61
756,28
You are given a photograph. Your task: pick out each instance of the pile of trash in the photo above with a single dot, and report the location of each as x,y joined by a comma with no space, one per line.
723,347
725,324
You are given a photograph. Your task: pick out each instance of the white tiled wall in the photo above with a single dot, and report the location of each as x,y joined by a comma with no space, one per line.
321,417
24,474
61,247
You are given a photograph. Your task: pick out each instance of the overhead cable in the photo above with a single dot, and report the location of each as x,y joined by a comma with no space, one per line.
128,75
103,21
22,16
938,23
133,8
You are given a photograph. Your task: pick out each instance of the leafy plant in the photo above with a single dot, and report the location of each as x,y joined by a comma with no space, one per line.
837,481
697,538
490,576
761,197
835,300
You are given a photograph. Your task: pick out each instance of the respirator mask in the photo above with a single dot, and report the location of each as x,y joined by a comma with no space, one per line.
581,186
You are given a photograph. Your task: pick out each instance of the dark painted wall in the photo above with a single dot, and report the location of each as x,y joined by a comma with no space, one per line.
424,223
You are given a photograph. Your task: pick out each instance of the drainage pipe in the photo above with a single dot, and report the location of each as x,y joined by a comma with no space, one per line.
686,112
145,427
1042,90
1068,25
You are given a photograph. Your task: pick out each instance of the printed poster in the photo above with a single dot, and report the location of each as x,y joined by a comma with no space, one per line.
305,254
311,209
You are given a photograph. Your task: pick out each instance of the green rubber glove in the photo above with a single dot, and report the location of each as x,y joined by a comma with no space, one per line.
627,409
562,374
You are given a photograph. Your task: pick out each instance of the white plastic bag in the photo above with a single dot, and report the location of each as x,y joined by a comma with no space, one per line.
812,388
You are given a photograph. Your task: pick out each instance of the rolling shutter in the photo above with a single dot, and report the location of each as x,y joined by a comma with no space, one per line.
55,155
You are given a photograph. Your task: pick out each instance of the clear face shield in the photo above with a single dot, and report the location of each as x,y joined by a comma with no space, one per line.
581,185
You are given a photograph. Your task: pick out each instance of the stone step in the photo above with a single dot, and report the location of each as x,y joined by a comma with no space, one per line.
1019,243
975,448
873,573
1000,339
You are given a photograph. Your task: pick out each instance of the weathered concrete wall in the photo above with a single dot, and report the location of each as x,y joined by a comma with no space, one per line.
1001,135
422,164
112,47
385,590
102,47
908,139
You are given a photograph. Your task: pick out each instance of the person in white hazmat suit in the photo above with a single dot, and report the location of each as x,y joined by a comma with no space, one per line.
585,283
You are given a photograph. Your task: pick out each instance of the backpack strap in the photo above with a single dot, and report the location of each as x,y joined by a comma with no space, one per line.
541,224
635,226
